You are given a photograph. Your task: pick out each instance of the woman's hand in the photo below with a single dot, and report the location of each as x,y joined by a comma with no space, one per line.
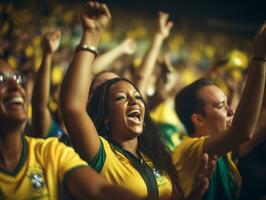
95,17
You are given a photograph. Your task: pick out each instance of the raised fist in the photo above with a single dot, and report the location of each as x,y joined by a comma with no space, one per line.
95,16
51,41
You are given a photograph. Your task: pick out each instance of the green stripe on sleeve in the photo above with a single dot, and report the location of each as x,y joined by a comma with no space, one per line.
98,161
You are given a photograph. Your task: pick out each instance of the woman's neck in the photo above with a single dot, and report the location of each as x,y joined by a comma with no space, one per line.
130,145
10,150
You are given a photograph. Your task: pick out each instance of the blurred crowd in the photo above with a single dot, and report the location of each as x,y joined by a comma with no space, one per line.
191,53
198,50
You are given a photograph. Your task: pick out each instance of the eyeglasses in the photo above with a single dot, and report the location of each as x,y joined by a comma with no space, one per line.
15,76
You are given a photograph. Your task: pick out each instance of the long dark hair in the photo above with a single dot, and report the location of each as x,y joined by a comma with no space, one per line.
149,142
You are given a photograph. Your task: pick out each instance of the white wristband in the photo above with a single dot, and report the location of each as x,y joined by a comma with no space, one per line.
84,47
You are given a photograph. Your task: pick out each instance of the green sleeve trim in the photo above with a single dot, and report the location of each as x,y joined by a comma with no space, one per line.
98,161
68,174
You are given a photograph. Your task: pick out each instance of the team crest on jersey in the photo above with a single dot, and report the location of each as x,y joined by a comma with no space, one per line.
37,180
159,177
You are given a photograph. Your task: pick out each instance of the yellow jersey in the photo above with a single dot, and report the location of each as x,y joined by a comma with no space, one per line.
112,163
225,182
41,170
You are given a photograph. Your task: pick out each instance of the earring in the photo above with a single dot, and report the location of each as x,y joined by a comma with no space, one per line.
106,126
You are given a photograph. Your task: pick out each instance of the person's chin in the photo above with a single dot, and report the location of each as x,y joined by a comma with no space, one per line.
21,118
227,127
136,131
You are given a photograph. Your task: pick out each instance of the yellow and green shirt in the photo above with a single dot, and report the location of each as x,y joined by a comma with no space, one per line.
225,182
125,170
43,166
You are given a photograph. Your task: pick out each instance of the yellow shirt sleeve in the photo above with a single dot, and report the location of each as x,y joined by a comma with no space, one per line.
64,158
186,158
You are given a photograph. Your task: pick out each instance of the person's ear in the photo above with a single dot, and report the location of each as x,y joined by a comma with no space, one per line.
197,120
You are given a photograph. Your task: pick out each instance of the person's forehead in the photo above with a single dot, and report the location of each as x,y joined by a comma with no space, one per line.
212,93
